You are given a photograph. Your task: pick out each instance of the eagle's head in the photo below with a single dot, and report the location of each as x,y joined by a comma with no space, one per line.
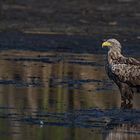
112,44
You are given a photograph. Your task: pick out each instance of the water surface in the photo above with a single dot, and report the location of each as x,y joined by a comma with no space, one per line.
50,94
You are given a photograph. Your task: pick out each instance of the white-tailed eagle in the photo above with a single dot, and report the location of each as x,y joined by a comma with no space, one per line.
124,71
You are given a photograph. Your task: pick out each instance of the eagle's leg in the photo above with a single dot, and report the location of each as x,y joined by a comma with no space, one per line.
126,92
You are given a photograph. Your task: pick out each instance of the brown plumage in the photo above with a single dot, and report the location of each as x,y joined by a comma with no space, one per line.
125,72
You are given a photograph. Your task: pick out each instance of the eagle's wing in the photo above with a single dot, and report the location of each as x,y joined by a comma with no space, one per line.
126,60
131,61
127,70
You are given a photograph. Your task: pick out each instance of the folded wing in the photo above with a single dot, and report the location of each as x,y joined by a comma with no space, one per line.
127,70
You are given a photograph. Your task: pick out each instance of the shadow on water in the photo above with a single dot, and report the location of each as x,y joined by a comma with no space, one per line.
66,95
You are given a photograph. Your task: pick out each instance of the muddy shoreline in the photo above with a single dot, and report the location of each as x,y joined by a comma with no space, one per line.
118,18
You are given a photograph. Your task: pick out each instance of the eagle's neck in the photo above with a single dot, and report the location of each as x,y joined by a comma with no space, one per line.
114,56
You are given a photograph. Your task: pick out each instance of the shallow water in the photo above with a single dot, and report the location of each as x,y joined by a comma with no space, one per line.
50,94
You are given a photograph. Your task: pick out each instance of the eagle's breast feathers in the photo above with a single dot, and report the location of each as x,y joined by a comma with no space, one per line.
126,69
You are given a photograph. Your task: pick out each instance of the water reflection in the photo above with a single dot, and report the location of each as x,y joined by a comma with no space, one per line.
34,84
121,132
64,82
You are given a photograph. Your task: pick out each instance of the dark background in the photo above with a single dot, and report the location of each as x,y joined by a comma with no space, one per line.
82,17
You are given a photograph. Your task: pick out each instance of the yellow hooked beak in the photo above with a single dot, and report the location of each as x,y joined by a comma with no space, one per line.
106,44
